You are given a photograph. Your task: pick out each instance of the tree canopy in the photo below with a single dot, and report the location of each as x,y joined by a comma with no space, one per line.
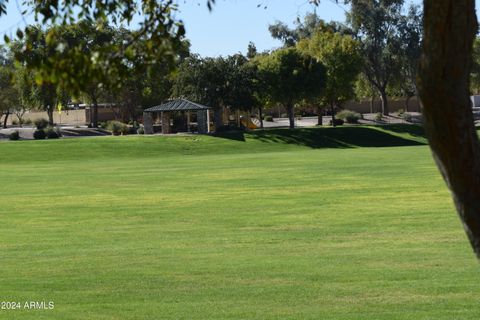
339,54
290,77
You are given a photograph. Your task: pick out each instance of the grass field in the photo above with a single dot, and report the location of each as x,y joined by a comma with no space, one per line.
345,223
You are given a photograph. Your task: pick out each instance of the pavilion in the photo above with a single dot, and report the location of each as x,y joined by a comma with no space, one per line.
183,110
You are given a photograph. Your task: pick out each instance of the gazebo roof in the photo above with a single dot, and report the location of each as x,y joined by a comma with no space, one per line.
177,105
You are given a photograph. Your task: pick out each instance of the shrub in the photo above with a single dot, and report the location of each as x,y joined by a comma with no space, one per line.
14,136
14,122
117,128
27,121
39,135
102,125
52,133
268,118
338,122
141,130
378,116
349,116
40,124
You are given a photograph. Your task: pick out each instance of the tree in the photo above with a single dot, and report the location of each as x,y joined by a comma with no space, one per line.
411,35
339,54
251,50
290,77
450,27
43,93
365,89
159,30
376,24
203,80
90,37
9,95
304,29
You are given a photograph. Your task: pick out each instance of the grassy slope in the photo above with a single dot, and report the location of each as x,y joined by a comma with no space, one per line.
268,225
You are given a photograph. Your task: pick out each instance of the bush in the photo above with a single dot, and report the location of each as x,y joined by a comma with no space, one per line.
141,130
378,116
268,118
338,122
349,116
14,122
102,125
27,121
14,136
39,135
117,128
40,124
52,133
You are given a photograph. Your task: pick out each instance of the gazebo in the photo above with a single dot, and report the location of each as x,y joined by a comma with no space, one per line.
182,106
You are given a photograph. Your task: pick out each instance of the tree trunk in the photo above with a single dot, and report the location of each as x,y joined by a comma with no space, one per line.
320,116
291,115
50,115
260,115
407,101
372,104
6,119
218,117
332,108
443,82
95,114
383,96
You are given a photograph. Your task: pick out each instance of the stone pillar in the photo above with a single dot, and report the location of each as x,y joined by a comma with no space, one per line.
165,122
147,123
202,119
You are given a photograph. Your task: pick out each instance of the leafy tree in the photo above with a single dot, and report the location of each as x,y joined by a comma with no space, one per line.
43,93
410,28
9,99
217,82
160,32
365,89
90,37
339,54
290,77
202,80
376,24
304,29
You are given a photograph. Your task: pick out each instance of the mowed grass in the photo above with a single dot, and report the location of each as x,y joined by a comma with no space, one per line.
345,223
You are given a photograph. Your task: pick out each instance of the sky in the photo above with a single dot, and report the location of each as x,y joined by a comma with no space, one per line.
230,26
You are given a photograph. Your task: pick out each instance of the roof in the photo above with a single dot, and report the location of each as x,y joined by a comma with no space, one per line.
177,105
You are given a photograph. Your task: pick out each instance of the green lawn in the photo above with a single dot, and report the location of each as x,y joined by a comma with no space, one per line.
345,223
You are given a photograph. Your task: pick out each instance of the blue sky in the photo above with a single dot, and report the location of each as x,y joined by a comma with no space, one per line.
231,25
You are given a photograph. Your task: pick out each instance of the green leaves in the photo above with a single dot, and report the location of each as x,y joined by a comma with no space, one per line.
290,76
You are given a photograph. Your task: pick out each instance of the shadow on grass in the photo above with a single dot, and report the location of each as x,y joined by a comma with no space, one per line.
236,135
340,137
82,132
412,129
